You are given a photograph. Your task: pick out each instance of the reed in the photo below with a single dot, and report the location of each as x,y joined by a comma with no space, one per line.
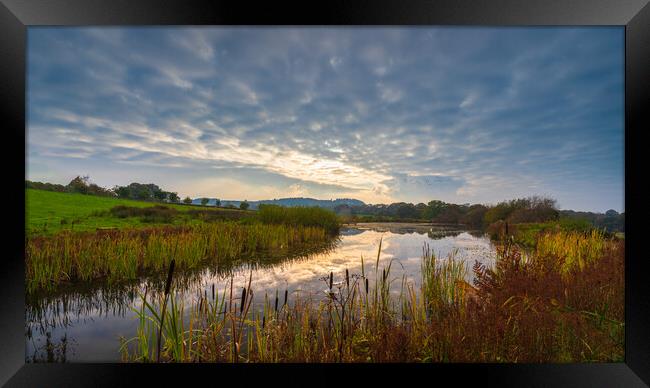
308,216
117,255
440,282
573,250
523,311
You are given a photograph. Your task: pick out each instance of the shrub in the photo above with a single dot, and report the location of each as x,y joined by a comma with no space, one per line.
158,213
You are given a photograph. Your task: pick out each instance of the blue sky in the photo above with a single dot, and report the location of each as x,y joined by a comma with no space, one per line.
465,115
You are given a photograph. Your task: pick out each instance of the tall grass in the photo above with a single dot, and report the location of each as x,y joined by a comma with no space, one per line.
441,282
573,250
309,216
524,311
127,253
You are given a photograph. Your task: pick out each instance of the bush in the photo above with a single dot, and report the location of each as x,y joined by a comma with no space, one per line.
159,214
531,209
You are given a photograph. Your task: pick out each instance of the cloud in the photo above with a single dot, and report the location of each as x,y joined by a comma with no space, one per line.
372,113
469,100
335,62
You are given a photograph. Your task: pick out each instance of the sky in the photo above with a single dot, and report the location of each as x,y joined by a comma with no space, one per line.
463,115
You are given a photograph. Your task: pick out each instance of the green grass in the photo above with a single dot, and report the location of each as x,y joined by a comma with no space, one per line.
49,212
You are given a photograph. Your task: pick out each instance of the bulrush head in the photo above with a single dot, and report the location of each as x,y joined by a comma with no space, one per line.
243,300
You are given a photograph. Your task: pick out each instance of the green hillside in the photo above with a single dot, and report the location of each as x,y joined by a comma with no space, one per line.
48,212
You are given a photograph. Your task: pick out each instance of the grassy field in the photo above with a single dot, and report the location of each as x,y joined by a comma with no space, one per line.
48,212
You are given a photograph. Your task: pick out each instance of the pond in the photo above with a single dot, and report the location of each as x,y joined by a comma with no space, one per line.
86,325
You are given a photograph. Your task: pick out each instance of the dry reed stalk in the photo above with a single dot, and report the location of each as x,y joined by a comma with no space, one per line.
168,284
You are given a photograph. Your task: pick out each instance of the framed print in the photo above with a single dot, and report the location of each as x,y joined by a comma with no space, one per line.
375,190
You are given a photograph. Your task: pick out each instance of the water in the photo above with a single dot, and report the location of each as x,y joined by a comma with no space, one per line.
86,325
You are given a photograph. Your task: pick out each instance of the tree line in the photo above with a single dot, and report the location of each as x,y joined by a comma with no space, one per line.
82,185
522,210
135,191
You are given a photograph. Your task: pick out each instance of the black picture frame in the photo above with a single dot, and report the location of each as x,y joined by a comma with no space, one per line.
17,15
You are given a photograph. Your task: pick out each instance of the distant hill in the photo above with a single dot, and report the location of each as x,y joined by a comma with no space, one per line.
288,202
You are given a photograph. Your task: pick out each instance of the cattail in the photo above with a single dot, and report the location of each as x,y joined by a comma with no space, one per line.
168,285
263,321
243,300
506,227
286,295
331,279
212,291
276,301
347,278
366,285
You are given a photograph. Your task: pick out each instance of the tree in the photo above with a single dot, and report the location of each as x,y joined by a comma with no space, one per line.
82,185
159,195
217,202
142,193
79,185
406,210
187,200
531,209
421,208
450,215
98,190
498,212
173,197
121,191
474,216
244,205
204,201
433,209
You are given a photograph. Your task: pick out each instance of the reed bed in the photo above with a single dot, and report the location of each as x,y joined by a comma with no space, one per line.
122,254
308,216
573,250
522,310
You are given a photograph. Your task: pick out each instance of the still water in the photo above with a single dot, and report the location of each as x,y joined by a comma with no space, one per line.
86,325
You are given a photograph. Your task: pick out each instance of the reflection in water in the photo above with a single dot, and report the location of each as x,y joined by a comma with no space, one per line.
86,324
51,351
